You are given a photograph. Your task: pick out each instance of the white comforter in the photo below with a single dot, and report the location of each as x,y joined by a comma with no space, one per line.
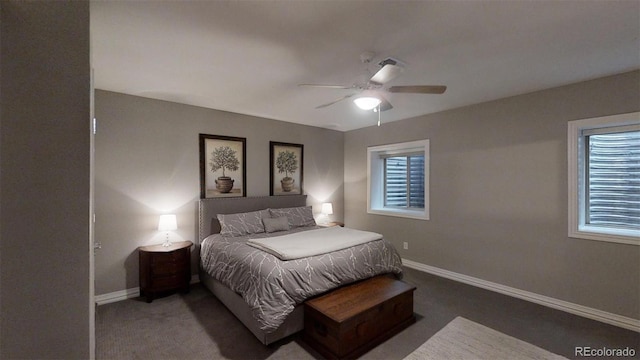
313,242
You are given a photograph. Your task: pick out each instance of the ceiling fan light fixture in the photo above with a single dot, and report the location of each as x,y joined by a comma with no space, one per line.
367,102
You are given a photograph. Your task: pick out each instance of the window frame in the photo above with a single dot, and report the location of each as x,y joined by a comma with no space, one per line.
376,179
577,182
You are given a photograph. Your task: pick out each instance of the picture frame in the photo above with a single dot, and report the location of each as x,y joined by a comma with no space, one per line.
286,168
223,166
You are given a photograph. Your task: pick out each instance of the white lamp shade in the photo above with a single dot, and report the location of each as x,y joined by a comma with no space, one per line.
327,208
367,102
167,223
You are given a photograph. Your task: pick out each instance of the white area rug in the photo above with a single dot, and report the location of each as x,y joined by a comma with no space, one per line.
465,339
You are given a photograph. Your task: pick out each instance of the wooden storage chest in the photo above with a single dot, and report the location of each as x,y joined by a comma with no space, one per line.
351,320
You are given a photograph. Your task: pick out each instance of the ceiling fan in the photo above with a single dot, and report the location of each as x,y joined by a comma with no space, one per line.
370,93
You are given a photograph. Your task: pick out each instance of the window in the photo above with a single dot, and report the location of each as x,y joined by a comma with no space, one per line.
404,181
604,178
398,179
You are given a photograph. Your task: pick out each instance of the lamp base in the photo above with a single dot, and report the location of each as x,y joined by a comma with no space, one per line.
324,219
167,242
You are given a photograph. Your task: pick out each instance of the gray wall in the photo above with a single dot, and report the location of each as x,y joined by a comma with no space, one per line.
46,301
498,189
147,164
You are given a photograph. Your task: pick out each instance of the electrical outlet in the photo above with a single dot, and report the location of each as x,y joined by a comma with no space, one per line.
405,245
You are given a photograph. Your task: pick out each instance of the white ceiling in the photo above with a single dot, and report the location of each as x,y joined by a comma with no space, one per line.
248,56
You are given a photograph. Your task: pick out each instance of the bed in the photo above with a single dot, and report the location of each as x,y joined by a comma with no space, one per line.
264,292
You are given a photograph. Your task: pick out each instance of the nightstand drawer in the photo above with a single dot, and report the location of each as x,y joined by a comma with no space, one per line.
167,268
168,282
161,259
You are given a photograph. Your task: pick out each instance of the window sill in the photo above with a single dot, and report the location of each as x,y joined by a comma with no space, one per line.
410,214
620,237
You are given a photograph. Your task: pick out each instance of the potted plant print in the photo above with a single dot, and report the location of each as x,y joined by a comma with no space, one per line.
224,158
287,163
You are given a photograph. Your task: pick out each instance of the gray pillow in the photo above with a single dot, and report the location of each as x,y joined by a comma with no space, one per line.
242,223
297,216
275,224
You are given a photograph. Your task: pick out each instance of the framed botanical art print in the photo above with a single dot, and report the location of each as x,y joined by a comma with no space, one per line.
286,162
223,162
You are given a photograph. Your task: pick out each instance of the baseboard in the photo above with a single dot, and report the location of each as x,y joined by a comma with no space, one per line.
117,296
128,294
580,310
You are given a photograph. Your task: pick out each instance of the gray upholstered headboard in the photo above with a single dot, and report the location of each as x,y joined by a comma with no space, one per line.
209,208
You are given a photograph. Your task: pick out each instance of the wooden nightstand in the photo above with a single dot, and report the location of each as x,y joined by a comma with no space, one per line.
164,268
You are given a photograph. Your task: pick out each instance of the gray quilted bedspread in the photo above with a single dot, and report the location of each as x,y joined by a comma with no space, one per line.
273,287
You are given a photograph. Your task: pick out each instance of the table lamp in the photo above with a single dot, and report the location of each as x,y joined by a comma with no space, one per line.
327,209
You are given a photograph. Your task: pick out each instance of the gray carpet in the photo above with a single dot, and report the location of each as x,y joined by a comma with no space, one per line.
465,339
198,326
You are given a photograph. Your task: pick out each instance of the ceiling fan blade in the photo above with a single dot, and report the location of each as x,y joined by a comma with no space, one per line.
418,89
333,102
387,73
327,86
